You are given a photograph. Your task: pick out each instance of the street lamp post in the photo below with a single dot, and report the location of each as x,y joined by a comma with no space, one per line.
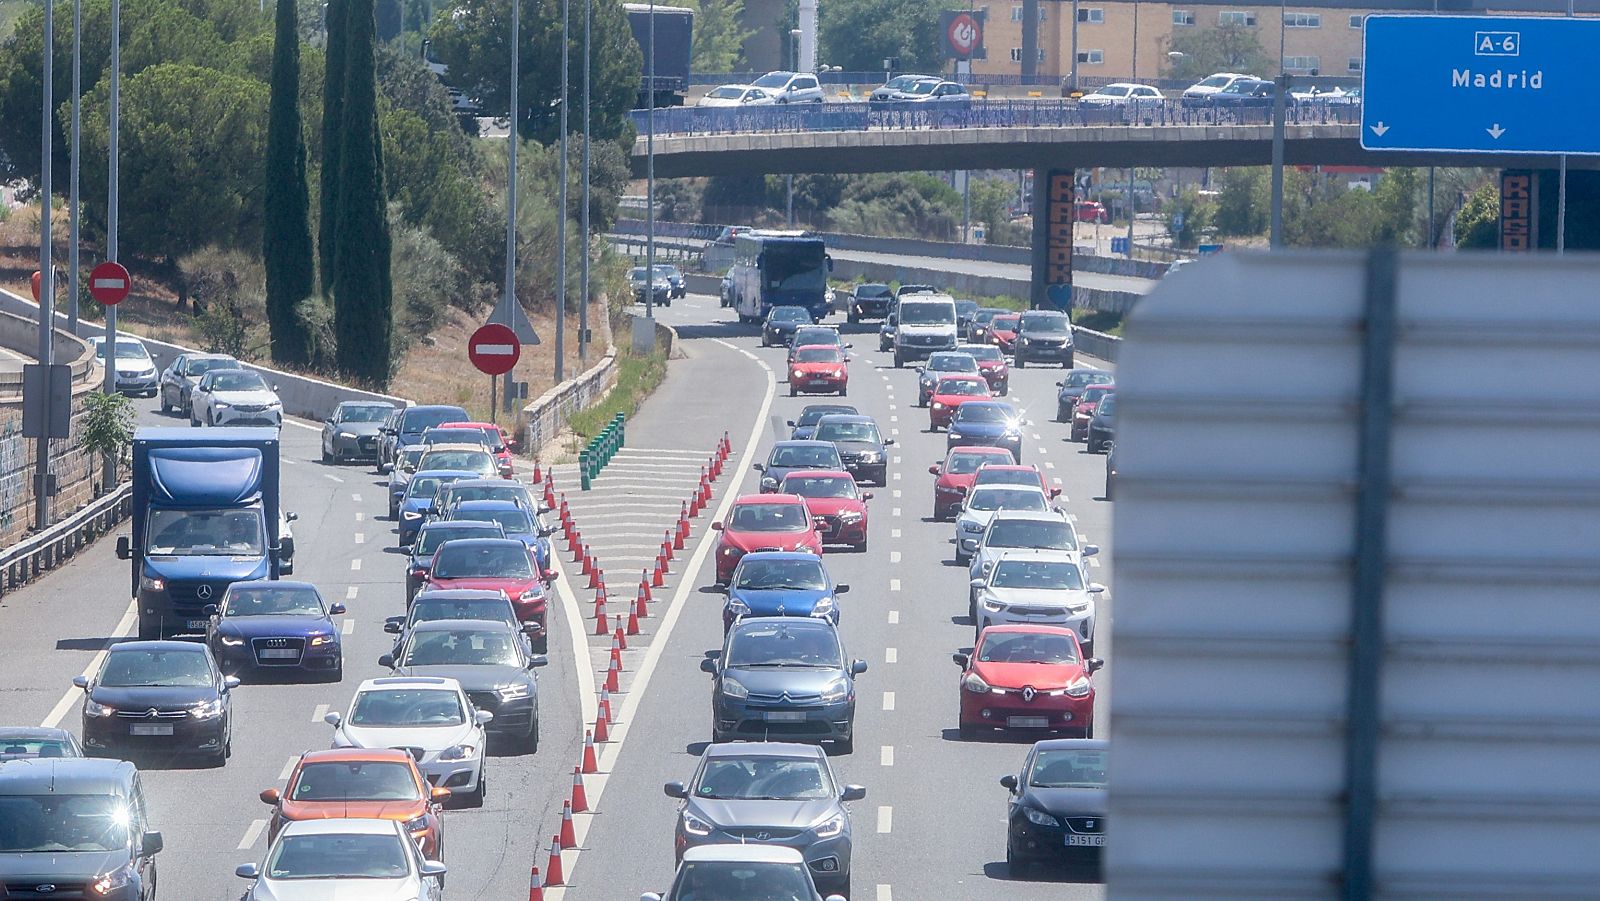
1072,74
1135,78
583,278
794,48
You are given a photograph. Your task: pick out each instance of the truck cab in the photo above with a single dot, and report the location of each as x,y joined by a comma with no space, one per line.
924,324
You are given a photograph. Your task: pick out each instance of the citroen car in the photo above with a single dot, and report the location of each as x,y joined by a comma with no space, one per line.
276,627
431,718
784,677
162,697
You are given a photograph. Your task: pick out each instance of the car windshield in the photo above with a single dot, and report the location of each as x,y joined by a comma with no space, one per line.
31,824
126,350
1004,323
205,533
801,575
461,647
1027,647
469,460
1113,90
804,337
985,413
355,780
636,273
1107,407
335,856
1093,394
424,487
23,748
873,291
491,609
810,415
903,81
819,486
926,313
666,271
770,518
726,880
962,388
455,436
789,314
960,464
514,522
1044,322
364,413
772,80
990,475
483,561
848,431
1078,378
1239,87
432,535
997,498
206,364
505,491
237,381
808,456
1053,575
760,778
273,600
143,668
1032,533
785,645
952,363
1215,81
1069,768
725,93
411,455
983,352
389,707
818,355
415,421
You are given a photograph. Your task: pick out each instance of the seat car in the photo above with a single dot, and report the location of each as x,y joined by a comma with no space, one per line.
1200,94
949,393
167,697
981,504
776,792
819,369
1056,813
454,604
407,425
1003,331
992,364
792,456
1027,677
806,426
784,677
34,742
354,859
837,504
136,371
400,476
658,289
352,432
790,87
1043,336
894,86
953,477
1071,388
276,627
781,323
183,373
812,335
361,783
781,583
740,872
989,422
943,93
868,301
490,660
433,533
938,366
80,827
495,564
1102,429
734,95
863,451
1048,530
1083,410
763,522
1037,587
234,397
429,717
417,501
517,522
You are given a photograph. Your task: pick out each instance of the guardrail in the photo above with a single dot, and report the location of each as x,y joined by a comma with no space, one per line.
24,561
543,420
1096,344
600,449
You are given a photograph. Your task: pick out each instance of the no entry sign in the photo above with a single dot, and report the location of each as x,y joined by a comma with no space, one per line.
109,283
963,34
494,349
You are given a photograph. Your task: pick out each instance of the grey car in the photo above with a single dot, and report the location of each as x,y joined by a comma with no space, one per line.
784,676
491,662
179,379
891,89
863,450
770,792
351,433
33,742
941,364
1043,336
49,811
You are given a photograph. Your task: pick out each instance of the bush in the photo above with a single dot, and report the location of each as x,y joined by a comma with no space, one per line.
108,422
228,290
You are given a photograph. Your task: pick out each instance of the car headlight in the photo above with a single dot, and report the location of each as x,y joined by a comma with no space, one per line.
975,684
738,608
344,434
850,516
91,707
732,688
417,824
837,373
1039,817
1023,341
110,882
274,403
696,826
1078,688
514,692
796,374
970,526
458,752
220,404
318,641
410,514
1078,607
231,641
823,607
806,549
830,827
207,710
152,583
992,605
938,406
837,690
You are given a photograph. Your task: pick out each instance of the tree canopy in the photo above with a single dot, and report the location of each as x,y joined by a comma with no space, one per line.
1225,48
858,34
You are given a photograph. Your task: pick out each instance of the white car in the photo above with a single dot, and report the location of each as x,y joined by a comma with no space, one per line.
735,95
1040,588
934,92
429,716
790,87
754,870
349,859
981,505
1200,93
1123,95
1024,530
136,371
891,89
234,397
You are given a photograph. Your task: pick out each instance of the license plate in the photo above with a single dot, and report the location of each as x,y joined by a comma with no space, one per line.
198,623
150,730
1027,722
785,716
1093,841
819,381
279,653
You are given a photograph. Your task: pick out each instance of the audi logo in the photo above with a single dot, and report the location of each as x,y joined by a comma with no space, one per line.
278,642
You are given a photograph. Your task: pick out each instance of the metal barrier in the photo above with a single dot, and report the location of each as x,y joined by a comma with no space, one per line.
600,449
25,561
1096,344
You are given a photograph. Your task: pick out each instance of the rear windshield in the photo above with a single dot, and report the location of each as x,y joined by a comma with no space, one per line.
413,421
491,609
819,486
818,355
962,388
960,464
1032,533
996,498
513,521
434,535
770,518
952,363
805,457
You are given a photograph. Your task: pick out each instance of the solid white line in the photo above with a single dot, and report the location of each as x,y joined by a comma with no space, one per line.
350,593
329,475
891,655
251,834
288,769
349,627
885,756
894,617
894,584
888,700
885,818
302,425
318,712
124,628
356,563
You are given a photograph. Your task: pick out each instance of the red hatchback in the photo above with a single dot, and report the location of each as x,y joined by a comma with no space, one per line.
949,393
1083,410
1003,331
764,522
954,476
992,365
500,443
819,369
1026,677
838,507
494,564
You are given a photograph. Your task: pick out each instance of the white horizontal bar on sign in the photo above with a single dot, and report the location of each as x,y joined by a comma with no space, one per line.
110,283
496,350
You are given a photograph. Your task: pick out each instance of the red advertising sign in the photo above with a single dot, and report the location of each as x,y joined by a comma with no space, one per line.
963,34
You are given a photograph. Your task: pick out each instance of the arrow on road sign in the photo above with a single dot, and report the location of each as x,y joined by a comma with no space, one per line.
1379,129
1496,131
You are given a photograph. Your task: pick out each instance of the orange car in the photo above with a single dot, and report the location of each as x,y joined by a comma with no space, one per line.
355,782
951,392
501,448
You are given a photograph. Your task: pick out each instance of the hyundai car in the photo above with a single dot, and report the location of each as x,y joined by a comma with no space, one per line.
837,505
784,677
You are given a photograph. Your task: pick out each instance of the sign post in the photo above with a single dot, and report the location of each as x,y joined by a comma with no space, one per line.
494,350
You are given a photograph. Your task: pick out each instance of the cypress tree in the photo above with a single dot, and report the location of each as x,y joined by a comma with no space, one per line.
286,241
363,314
332,136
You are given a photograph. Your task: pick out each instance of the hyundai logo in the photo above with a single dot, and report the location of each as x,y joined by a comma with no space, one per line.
763,836
1028,693
46,889
203,592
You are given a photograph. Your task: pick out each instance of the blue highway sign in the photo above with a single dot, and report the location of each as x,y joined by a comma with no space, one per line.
1480,84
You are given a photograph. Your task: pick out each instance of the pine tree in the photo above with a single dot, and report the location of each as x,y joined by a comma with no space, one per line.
286,241
363,313
332,136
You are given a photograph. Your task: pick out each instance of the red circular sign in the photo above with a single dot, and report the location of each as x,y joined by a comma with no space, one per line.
109,283
494,349
964,34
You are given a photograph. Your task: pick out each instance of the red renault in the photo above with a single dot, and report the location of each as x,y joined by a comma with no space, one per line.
1027,677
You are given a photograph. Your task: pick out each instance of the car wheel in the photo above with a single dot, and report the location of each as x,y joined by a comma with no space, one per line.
1015,867
1020,363
1063,414
845,391
474,798
327,457
165,407
860,546
1005,390
899,363
530,742
793,391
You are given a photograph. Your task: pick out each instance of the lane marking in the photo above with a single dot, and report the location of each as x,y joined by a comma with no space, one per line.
891,655
123,629
350,593
883,893
288,769
894,533
888,700
894,556
356,563
302,425
318,712
897,477
251,834
896,511
894,418
356,497
885,818
360,538
329,475
896,493
894,617
1048,464
349,627
360,515
897,458
894,584
892,407
885,756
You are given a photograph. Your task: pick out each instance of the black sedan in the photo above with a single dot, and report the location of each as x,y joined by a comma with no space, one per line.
276,628
1058,805
491,662
1102,425
863,450
780,324
164,697
1071,388
868,301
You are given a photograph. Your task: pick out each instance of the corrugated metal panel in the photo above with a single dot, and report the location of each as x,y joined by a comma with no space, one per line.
1240,387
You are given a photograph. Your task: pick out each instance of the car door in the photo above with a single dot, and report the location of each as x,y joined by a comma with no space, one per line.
170,379
200,400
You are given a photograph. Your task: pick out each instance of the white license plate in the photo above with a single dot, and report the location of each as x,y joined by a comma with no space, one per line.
819,381
279,653
785,716
150,730
1027,722
197,623
1093,841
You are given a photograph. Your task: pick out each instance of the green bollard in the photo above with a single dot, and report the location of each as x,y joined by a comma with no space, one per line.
583,469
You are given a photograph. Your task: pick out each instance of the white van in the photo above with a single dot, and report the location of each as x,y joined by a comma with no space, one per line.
924,324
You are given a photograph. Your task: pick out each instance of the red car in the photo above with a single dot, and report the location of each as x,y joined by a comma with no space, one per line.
1013,474
992,365
1003,331
500,443
495,564
819,369
763,522
1027,677
838,507
954,476
950,392
1083,410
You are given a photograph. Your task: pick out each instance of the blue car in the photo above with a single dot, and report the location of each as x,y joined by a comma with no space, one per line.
991,423
275,627
781,583
785,678
794,456
416,505
517,521
433,533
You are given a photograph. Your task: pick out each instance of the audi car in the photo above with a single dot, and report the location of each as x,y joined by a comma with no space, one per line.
276,628
352,432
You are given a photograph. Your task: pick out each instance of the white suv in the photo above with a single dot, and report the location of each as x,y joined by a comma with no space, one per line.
1023,530
790,87
1037,587
430,717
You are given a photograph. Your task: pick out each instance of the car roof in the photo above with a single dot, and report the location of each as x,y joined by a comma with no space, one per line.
1034,628
1072,744
779,555
825,407
845,417
489,542
189,646
1031,515
763,749
743,854
478,481
340,826
490,503
458,594
797,622
64,775
815,473
960,377
33,732
805,442
1049,555
477,525
768,499
987,450
366,403
408,682
196,356
820,347
1006,486
450,625
330,755
440,473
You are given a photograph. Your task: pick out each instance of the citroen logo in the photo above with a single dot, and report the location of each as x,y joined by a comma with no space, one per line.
203,592
151,712
1028,693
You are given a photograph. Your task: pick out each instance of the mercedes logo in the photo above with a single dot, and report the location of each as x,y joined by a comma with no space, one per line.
1028,693
203,592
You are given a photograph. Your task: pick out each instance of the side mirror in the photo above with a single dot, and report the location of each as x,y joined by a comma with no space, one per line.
81,682
977,583
439,793
335,609
392,625
407,548
124,549
707,665
329,421
1095,664
229,683
1010,782
866,495
433,869
933,470
888,442
537,660
769,484
151,843
1089,550
1055,492
332,718
853,793
716,527
675,790
857,667
292,517
790,423
271,796
841,589
546,531
961,660
530,628
247,871
386,661
1096,588
482,717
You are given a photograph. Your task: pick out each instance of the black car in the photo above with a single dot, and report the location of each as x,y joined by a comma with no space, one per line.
1102,425
1246,93
784,677
490,660
33,742
793,456
73,828
675,285
435,532
806,425
869,301
965,311
978,332
1043,336
275,627
1071,388
454,604
862,448
1058,805
168,697
781,323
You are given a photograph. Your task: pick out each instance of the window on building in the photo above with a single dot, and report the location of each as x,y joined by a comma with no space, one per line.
1016,54
1302,20
1183,17
1091,57
1354,64
1236,17
1355,21
1302,65
1016,13
1093,15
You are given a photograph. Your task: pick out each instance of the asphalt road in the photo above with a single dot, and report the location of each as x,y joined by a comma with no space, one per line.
984,268
13,360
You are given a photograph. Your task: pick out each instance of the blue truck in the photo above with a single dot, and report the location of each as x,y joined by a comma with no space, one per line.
779,268
205,515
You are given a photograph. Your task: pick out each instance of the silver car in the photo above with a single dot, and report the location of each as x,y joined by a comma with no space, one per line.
179,379
431,717
1014,529
741,871
790,87
352,432
1037,588
981,505
400,475
234,397
349,859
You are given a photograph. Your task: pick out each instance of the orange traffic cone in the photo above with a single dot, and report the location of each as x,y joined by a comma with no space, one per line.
568,837
552,874
620,639
633,622
535,886
590,763
580,798
602,730
612,683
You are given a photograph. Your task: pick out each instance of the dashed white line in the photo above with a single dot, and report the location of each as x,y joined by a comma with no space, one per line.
355,564
888,700
894,533
885,756
897,477
894,418
891,655
1057,480
883,893
1036,436
894,556
360,538
329,475
896,494
1094,561
349,627
1042,450
894,430
251,834
885,819
897,458
892,407
894,584
320,711
1049,464
360,515
894,617
288,768
350,593
356,497
896,511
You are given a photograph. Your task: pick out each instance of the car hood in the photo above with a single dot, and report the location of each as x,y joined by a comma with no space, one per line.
1049,336
135,366
212,568
1038,597
257,626
782,541
829,506
1042,676
856,447
987,365
401,889
359,428
981,517
433,738
779,814
512,587
341,810
1070,801
956,480
59,866
142,697
473,677
775,680
778,602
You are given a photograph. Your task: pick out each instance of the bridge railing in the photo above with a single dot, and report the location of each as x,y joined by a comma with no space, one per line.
915,115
